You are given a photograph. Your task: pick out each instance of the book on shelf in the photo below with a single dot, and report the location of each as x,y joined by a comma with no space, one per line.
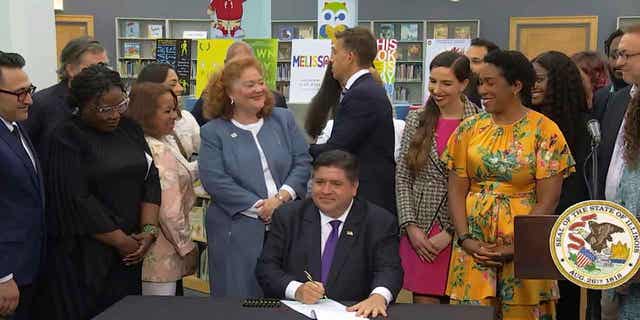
283,88
284,52
284,72
305,32
462,32
155,31
408,72
131,68
401,93
132,50
414,52
401,53
202,270
440,31
196,220
387,31
132,29
286,33
409,31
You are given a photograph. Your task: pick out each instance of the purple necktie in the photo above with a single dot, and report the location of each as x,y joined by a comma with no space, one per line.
330,249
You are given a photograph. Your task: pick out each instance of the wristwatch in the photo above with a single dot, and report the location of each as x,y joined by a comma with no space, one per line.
464,237
150,229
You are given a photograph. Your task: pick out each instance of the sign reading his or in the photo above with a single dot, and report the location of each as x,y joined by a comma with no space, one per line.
385,63
309,60
177,53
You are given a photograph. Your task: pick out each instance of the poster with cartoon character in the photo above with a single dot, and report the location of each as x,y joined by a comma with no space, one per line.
335,16
227,18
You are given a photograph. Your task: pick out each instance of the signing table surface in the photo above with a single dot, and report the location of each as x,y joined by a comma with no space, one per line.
187,308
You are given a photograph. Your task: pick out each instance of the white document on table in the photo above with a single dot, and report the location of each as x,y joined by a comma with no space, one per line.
324,309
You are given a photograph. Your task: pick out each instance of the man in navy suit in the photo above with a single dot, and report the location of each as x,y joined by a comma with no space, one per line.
363,124
21,193
347,245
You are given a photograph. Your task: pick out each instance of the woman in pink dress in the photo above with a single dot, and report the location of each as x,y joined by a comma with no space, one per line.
421,179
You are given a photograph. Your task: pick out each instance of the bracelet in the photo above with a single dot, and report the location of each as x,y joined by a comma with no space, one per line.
150,229
464,237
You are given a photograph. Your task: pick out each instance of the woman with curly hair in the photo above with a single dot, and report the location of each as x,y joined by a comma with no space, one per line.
559,94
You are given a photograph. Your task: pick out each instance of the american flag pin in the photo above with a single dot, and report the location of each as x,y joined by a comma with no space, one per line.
234,135
350,233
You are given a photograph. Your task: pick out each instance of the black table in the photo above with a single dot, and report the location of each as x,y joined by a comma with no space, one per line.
203,308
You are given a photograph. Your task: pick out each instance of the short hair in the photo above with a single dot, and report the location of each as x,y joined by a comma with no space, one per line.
73,51
217,102
480,42
143,103
233,48
612,36
10,60
360,41
339,159
92,83
154,72
514,66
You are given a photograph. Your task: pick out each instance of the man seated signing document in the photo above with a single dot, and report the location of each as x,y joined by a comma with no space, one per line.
333,245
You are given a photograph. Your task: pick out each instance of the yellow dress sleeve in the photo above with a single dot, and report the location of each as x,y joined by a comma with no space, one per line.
553,156
455,155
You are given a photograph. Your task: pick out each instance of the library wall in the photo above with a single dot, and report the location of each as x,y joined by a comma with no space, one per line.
493,14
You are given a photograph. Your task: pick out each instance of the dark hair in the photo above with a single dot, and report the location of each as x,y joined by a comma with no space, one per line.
480,42
594,66
612,36
323,104
72,52
565,98
631,135
421,142
514,66
339,159
92,83
10,60
217,102
360,41
154,72
143,103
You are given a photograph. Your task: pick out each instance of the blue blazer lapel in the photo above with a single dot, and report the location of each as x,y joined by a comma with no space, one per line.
348,237
5,134
311,232
38,174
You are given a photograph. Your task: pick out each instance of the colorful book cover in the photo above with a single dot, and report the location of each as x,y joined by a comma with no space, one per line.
132,29
266,50
440,31
196,220
462,32
132,50
387,31
414,52
305,32
211,54
284,52
409,31
286,33
154,31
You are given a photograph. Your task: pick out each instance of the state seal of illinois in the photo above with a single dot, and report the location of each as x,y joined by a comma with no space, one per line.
596,244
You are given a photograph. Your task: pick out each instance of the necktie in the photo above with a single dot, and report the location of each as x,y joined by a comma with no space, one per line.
330,249
342,93
20,147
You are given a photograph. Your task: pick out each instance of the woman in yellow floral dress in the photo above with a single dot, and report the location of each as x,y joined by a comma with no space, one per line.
509,161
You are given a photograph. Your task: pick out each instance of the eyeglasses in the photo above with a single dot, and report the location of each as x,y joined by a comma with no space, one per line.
624,56
21,93
120,107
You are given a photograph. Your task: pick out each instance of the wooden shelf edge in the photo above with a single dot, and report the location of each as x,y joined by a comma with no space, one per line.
194,283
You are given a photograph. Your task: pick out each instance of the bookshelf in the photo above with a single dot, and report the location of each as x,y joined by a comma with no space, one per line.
285,31
200,280
136,42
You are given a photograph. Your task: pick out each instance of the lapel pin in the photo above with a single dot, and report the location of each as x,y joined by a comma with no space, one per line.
234,135
350,233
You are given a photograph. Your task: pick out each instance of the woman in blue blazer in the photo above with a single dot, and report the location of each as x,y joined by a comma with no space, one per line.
253,159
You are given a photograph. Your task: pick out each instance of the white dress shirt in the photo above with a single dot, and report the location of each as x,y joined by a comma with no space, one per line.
355,77
272,189
9,126
616,166
325,231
